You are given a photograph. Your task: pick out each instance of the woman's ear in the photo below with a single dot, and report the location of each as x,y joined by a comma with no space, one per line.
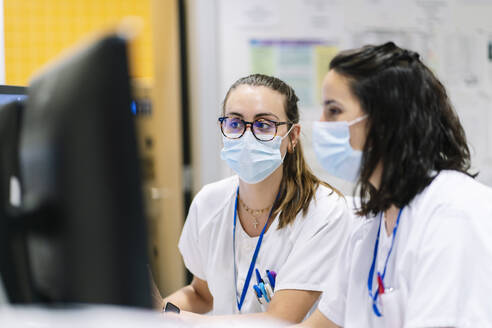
294,137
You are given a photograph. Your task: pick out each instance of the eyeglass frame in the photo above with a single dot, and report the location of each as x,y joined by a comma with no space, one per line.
246,123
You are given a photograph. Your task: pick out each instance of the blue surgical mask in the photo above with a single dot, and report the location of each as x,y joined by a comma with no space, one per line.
251,159
331,141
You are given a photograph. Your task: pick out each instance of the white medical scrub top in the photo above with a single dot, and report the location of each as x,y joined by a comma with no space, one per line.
301,253
439,273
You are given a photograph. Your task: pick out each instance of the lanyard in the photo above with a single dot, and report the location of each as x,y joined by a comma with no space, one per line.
374,296
255,255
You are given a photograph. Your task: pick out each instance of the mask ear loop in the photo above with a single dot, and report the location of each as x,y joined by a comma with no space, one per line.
290,141
283,137
357,120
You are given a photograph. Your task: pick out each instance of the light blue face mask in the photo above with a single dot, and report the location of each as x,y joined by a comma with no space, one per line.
251,159
331,142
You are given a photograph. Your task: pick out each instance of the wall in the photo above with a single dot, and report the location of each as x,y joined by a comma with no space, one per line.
36,31
296,39
205,98
2,48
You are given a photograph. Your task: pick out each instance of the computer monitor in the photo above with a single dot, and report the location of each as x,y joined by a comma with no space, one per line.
82,220
10,190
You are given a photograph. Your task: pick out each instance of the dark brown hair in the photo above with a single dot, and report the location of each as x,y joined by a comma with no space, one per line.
413,130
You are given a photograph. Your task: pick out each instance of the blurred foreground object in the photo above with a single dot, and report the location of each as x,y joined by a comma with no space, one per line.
80,232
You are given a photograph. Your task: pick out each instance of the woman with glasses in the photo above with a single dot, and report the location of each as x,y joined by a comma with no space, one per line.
421,255
264,239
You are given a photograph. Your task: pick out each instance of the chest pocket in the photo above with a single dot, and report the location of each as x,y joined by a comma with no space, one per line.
392,308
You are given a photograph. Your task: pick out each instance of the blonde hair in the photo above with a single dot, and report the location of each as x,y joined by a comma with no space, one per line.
298,184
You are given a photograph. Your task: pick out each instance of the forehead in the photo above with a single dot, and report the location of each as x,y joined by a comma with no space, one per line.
336,87
253,100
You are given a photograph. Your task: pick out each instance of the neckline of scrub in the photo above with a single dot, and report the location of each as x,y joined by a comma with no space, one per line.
244,235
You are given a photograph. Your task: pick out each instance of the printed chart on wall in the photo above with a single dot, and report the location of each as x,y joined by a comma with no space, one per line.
301,63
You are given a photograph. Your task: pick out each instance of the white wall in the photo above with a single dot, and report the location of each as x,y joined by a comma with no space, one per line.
452,37
204,82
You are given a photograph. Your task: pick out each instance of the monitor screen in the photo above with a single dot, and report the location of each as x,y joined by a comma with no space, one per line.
10,93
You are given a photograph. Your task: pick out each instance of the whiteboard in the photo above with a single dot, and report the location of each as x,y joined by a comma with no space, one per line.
453,37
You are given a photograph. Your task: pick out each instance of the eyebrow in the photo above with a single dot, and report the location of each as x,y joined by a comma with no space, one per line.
330,101
256,116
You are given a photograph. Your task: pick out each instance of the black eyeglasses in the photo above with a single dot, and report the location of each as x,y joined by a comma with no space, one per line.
262,129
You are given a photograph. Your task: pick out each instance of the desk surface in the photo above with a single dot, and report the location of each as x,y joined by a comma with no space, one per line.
83,316
92,316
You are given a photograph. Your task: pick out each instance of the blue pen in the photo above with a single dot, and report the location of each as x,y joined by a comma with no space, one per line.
258,276
264,292
259,293
257,290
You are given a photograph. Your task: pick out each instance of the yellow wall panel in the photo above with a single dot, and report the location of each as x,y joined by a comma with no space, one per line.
36,31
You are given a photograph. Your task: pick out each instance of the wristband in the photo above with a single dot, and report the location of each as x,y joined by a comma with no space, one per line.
170,307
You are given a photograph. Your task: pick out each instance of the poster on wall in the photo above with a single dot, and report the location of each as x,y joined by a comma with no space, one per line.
301,63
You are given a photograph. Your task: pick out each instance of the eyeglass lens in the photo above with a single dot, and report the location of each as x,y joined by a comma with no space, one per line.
234,128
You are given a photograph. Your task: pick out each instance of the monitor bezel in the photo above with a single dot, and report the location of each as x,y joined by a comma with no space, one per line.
12,89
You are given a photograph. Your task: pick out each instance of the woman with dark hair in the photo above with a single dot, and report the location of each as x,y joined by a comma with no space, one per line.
262,240
421,253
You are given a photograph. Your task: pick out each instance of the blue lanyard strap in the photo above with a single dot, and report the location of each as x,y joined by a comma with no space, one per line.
255,255
374,296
